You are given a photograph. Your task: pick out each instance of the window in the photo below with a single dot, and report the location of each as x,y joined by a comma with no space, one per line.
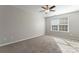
60,24
54,27
63,28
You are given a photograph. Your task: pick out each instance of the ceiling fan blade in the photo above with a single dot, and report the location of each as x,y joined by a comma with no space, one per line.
43,7
52,7
47,6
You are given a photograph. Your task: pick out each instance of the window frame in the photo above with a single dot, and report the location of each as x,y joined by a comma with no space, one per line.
61,24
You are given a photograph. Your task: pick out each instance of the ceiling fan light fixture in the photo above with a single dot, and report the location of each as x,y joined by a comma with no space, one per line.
47,11
48,8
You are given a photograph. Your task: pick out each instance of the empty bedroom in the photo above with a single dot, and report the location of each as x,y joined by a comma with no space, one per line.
39,29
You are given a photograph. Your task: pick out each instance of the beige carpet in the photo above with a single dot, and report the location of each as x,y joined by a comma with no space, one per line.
42,44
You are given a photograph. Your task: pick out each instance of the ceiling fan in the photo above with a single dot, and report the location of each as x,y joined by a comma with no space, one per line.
48,8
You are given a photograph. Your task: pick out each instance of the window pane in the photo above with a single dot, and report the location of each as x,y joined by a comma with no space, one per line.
55,22
63,27
54,27
63,21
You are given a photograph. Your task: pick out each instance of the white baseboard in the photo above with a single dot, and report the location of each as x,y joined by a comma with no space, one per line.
4,44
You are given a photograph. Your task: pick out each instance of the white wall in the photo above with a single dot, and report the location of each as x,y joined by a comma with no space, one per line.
73,26
17,24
